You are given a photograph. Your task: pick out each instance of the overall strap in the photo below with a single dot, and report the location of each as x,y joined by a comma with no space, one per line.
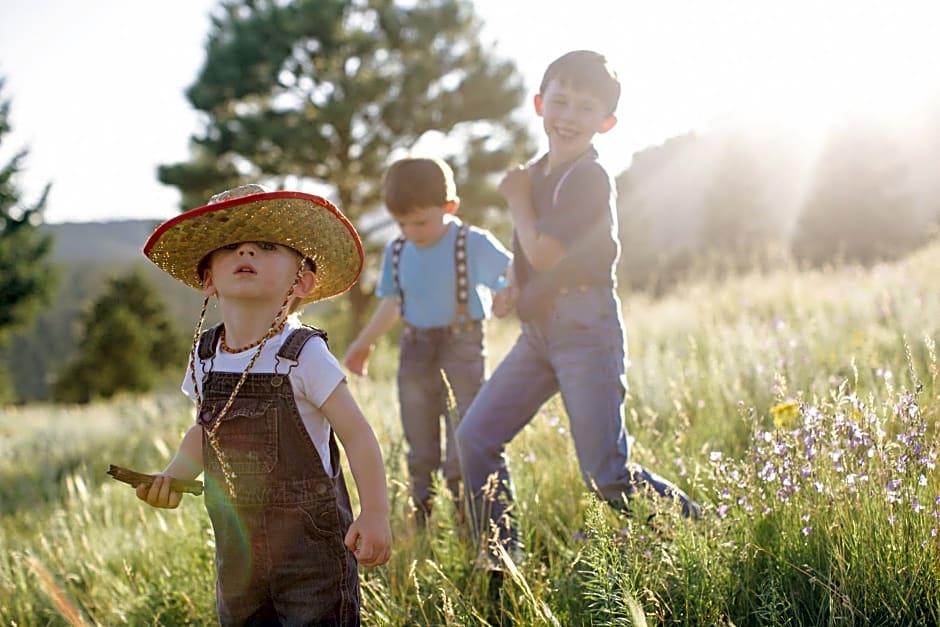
396,259
564,176
208,341
294,343
463,281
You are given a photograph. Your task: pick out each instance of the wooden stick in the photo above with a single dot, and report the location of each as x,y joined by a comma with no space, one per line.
136,478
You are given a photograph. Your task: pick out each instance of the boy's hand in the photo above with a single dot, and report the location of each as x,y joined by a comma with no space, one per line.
357,357
370,539
504,301
516,187
158,493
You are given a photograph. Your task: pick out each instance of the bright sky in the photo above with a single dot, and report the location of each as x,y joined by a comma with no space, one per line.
97,87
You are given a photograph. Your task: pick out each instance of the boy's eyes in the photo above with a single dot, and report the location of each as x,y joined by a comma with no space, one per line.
261,245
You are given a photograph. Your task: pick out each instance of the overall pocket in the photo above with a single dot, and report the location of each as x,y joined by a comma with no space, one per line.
247,435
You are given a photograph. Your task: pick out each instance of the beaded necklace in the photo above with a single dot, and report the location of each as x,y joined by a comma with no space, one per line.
241,349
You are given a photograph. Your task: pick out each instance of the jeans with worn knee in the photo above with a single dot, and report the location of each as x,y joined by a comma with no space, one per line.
424,353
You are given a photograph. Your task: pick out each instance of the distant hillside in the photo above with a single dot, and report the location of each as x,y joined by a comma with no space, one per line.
100,241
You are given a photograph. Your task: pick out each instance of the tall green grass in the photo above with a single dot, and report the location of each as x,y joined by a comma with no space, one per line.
800,408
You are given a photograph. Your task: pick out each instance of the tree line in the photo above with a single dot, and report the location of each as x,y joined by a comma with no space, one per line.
326,93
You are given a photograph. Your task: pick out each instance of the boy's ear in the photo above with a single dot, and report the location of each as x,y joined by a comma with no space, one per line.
609,122
451,206
305,284
208,286
538,104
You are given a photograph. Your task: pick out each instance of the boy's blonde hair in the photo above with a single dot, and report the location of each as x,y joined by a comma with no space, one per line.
587,70
418,183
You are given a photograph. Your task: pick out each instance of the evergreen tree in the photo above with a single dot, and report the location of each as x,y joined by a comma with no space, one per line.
329,92
128,342
26,276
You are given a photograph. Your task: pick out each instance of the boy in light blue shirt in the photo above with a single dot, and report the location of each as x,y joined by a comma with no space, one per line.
439,276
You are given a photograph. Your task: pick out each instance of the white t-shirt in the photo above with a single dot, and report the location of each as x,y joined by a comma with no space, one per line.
313,379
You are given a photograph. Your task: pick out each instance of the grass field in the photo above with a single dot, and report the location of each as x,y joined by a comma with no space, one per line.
801,409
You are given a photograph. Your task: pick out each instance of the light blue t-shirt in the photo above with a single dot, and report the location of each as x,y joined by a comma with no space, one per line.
428,276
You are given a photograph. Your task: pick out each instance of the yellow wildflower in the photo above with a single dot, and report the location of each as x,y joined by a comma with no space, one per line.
785,414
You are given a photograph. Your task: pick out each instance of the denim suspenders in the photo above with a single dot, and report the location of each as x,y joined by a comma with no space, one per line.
462,289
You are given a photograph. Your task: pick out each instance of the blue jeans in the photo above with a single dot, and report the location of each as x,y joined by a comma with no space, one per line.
423,354
579,349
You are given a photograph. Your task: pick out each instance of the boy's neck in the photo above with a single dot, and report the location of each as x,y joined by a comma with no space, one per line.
246,324
556,159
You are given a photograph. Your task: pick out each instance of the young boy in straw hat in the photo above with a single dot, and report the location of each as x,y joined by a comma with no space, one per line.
270,397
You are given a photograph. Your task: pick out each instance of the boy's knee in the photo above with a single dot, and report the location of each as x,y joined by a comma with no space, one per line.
468,437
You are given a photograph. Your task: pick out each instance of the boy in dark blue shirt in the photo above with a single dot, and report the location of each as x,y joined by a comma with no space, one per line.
566,249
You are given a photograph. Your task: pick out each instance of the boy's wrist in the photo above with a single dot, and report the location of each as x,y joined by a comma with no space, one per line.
375,511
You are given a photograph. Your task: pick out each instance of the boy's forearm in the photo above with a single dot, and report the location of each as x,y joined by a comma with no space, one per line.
362,449
187,463
542,251
368,470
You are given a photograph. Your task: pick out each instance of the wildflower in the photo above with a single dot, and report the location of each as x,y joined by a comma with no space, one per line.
785,414
807,530
723,511
768,472
682,470
714,456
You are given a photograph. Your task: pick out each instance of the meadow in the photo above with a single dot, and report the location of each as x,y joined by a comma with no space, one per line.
800,408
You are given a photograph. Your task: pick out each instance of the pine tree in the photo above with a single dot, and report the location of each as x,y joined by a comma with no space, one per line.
128,342
330,92
26,276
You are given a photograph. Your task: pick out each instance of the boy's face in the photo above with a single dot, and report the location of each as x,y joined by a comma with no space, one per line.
571,117
424,227
254,271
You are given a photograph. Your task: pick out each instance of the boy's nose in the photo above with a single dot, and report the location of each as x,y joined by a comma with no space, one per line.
246,248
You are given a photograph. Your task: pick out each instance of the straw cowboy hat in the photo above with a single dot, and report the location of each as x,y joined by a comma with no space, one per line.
311,225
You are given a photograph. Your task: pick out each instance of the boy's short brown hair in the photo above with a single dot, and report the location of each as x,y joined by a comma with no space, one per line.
588,70
418,183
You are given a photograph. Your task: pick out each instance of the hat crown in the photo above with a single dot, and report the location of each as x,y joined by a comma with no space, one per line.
241,191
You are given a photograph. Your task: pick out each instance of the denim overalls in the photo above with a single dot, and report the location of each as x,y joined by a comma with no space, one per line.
280,556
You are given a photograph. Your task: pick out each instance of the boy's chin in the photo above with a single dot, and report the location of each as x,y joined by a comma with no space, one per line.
566,149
